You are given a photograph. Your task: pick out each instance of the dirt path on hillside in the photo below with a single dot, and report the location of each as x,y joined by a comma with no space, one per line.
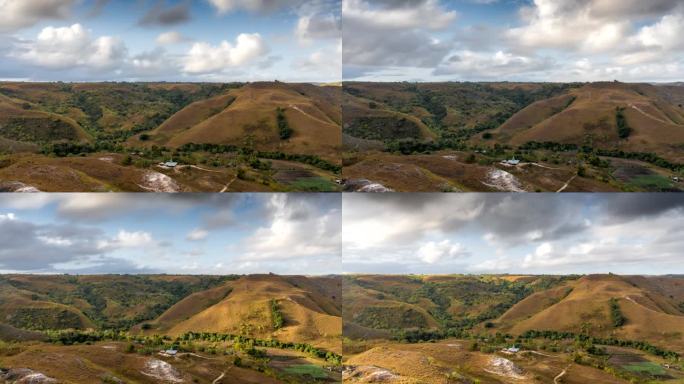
560,375
216,380
543,166
225,188
296,108
566,184
202,169
649,115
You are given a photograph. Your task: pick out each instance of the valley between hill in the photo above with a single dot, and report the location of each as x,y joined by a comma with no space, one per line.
513,329
164,328
169,137
513,137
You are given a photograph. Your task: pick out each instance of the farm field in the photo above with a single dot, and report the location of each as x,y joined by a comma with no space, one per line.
164,328
513,329
512,137
169,137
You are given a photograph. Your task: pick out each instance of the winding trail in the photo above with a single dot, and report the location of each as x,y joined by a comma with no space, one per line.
296,108
219,378
566,184
543,166
225,188
649,115
560,375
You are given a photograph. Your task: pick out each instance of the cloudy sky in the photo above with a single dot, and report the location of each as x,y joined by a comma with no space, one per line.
174,40
524,40
188,234
513,233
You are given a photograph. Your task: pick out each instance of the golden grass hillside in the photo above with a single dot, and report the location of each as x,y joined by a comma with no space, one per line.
311,111
587,115
309,316
584,306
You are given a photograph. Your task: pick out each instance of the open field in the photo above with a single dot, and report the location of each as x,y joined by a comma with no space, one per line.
221,329
527,329
219,137
562,137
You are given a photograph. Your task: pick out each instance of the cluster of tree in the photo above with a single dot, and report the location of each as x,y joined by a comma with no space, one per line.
276,315
623,129
284,129
329,356
272,155
616,314
640,345
647,157
151,297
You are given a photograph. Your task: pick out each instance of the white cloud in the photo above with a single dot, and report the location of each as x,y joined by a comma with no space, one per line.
171,37
433,252
427,14
68,47
17,14
197,234
311,27
8,216
205,58
126,239
297,229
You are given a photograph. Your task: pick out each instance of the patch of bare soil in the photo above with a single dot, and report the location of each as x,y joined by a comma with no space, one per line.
503,181
25,376
364,185
162,370
504,367
17,186
159,182
368,374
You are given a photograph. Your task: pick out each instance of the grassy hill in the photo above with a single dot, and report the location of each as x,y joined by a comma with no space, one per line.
309,307
311,112
577,137
621,116
111,328
102,302
652,308
567,329
589,115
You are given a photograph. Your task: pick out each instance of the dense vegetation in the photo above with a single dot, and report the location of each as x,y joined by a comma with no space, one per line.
284,129
455,111
623,129
473,294
640,345
276,315
274,155
150,296
155,343
616,314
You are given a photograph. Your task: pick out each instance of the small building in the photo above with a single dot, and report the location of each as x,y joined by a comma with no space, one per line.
512,350
512,161
170,352
170,164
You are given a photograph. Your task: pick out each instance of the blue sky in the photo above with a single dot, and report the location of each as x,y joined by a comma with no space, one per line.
513,233
173,40
187,234
515,40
